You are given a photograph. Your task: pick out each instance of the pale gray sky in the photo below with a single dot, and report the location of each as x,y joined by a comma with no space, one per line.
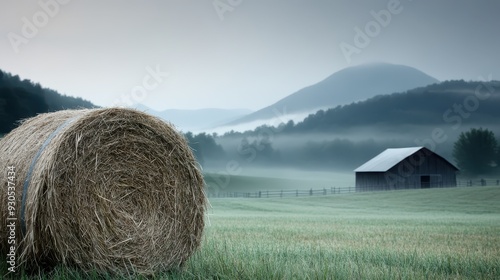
246,54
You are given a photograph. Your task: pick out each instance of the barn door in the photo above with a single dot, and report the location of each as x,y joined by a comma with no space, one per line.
425,181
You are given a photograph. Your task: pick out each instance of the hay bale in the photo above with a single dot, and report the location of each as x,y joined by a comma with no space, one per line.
112,190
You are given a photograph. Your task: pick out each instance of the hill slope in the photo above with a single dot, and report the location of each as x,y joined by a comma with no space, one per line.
346,86
449,103
21,99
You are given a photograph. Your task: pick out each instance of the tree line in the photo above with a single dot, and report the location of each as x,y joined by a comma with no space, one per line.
448,102
20,99
474,152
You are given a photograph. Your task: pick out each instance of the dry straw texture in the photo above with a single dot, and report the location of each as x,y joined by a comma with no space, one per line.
115,190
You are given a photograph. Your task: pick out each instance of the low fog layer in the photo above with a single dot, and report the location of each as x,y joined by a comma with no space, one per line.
280,119
343,151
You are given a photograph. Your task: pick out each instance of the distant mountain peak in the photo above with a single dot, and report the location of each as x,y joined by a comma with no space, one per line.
352,84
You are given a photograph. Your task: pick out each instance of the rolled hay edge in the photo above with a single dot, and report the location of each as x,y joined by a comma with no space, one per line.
113,190
30,172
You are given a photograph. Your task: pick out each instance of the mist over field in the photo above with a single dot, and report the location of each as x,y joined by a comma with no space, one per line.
344,150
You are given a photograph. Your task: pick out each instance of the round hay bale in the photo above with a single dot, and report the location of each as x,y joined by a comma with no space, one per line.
109,190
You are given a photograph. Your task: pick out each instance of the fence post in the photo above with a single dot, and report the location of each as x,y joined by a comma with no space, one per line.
260,194
297,192
311,191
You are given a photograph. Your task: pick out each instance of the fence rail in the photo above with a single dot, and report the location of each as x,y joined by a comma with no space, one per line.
338,190
479,182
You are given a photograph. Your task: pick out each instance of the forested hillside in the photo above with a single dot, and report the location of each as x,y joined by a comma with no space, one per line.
448,102
20,99
346,136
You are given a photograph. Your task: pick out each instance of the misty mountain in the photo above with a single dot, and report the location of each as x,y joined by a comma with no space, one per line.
346,86
451,103
346,136
196,120
20,99
448,104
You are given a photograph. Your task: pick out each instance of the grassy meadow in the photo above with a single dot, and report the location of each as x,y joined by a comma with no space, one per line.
412,234
275,179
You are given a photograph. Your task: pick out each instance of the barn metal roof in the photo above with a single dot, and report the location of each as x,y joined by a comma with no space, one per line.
387,159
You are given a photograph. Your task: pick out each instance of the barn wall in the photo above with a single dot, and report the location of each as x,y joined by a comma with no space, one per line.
409,171
408,174
367,181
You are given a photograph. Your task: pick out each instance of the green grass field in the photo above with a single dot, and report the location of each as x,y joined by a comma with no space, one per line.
412,234
277,179
415,234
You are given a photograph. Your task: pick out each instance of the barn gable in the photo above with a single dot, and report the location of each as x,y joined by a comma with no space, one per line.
402,168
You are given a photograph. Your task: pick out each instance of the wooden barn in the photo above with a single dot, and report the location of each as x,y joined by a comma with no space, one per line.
406,168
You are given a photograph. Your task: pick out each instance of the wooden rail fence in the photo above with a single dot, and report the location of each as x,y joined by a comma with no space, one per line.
335,190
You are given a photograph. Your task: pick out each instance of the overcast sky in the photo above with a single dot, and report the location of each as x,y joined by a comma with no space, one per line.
236,53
